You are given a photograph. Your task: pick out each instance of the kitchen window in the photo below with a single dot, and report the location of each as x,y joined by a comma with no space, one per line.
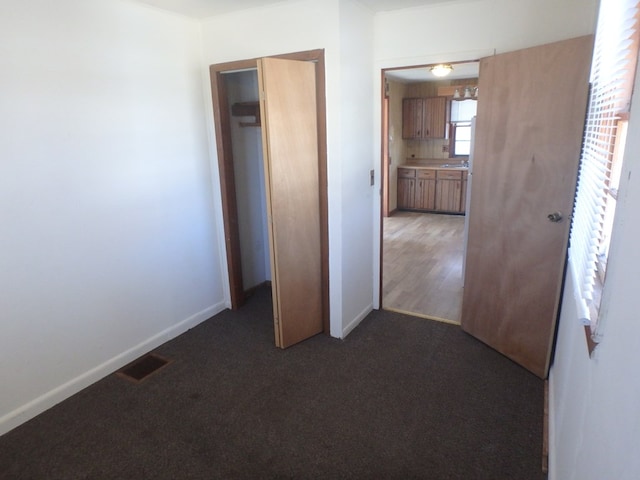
461,138
462,111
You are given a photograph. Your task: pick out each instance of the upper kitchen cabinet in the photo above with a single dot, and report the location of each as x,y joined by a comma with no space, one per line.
424,118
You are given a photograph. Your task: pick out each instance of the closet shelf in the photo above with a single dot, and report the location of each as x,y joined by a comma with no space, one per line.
247,109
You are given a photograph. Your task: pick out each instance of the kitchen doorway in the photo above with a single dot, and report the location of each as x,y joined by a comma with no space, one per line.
422,250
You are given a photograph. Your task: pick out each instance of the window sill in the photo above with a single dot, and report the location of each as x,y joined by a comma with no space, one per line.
591,343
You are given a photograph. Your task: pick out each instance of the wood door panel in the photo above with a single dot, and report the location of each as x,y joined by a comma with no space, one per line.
426,194
463,192
448,194
290,141
413,118
434,117
406,192
527,146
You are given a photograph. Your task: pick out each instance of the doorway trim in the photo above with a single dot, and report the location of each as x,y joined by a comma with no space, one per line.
222,122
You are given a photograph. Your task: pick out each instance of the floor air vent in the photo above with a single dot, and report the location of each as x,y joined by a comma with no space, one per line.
143,367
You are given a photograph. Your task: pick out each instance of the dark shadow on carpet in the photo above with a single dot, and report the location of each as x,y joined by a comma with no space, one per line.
399,398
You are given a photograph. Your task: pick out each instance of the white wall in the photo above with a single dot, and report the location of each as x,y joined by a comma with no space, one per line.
107,247
356,161
594,402
468,30
248,170
309,25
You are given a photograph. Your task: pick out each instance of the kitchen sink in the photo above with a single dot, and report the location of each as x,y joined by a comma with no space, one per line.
454,165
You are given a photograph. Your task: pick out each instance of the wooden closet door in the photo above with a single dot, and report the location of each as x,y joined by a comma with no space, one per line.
528,137
290,145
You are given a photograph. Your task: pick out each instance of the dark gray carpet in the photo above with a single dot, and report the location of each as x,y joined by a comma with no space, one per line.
400,398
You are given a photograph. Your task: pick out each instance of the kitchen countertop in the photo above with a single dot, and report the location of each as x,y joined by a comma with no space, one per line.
435,167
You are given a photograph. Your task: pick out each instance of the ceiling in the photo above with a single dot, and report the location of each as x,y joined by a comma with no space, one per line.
208,8
422,74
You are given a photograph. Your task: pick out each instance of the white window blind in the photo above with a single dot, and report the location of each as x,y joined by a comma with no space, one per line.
612,74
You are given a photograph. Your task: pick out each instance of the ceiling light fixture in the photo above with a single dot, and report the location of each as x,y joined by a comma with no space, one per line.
442,69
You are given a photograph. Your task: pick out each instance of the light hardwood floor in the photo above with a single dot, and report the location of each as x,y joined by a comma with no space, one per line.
422,264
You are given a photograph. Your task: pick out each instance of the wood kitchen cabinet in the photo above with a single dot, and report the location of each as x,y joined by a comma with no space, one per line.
411,118
463,200
432,190
425,196
434,117
424,118
406,188
449,191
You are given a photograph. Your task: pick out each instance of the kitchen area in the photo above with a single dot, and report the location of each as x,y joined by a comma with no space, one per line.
427,145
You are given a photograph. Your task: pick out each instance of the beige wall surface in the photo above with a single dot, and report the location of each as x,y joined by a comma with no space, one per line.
397,147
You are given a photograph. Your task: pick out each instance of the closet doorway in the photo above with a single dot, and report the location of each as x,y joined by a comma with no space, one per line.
269,117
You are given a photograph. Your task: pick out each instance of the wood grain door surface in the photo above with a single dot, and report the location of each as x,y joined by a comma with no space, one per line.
529,126
290,145
425,189
412,118
434,117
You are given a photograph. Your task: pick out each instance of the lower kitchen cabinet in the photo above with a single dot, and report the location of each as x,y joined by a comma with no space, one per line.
425,196
449,191
432,190
406,188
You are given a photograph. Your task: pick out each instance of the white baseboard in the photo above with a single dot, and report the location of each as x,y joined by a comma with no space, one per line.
356,321
38,405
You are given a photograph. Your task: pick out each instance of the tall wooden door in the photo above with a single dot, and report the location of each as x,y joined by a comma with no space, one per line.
290,145
528,136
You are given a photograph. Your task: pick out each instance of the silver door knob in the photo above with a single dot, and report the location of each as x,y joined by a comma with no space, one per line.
555,217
